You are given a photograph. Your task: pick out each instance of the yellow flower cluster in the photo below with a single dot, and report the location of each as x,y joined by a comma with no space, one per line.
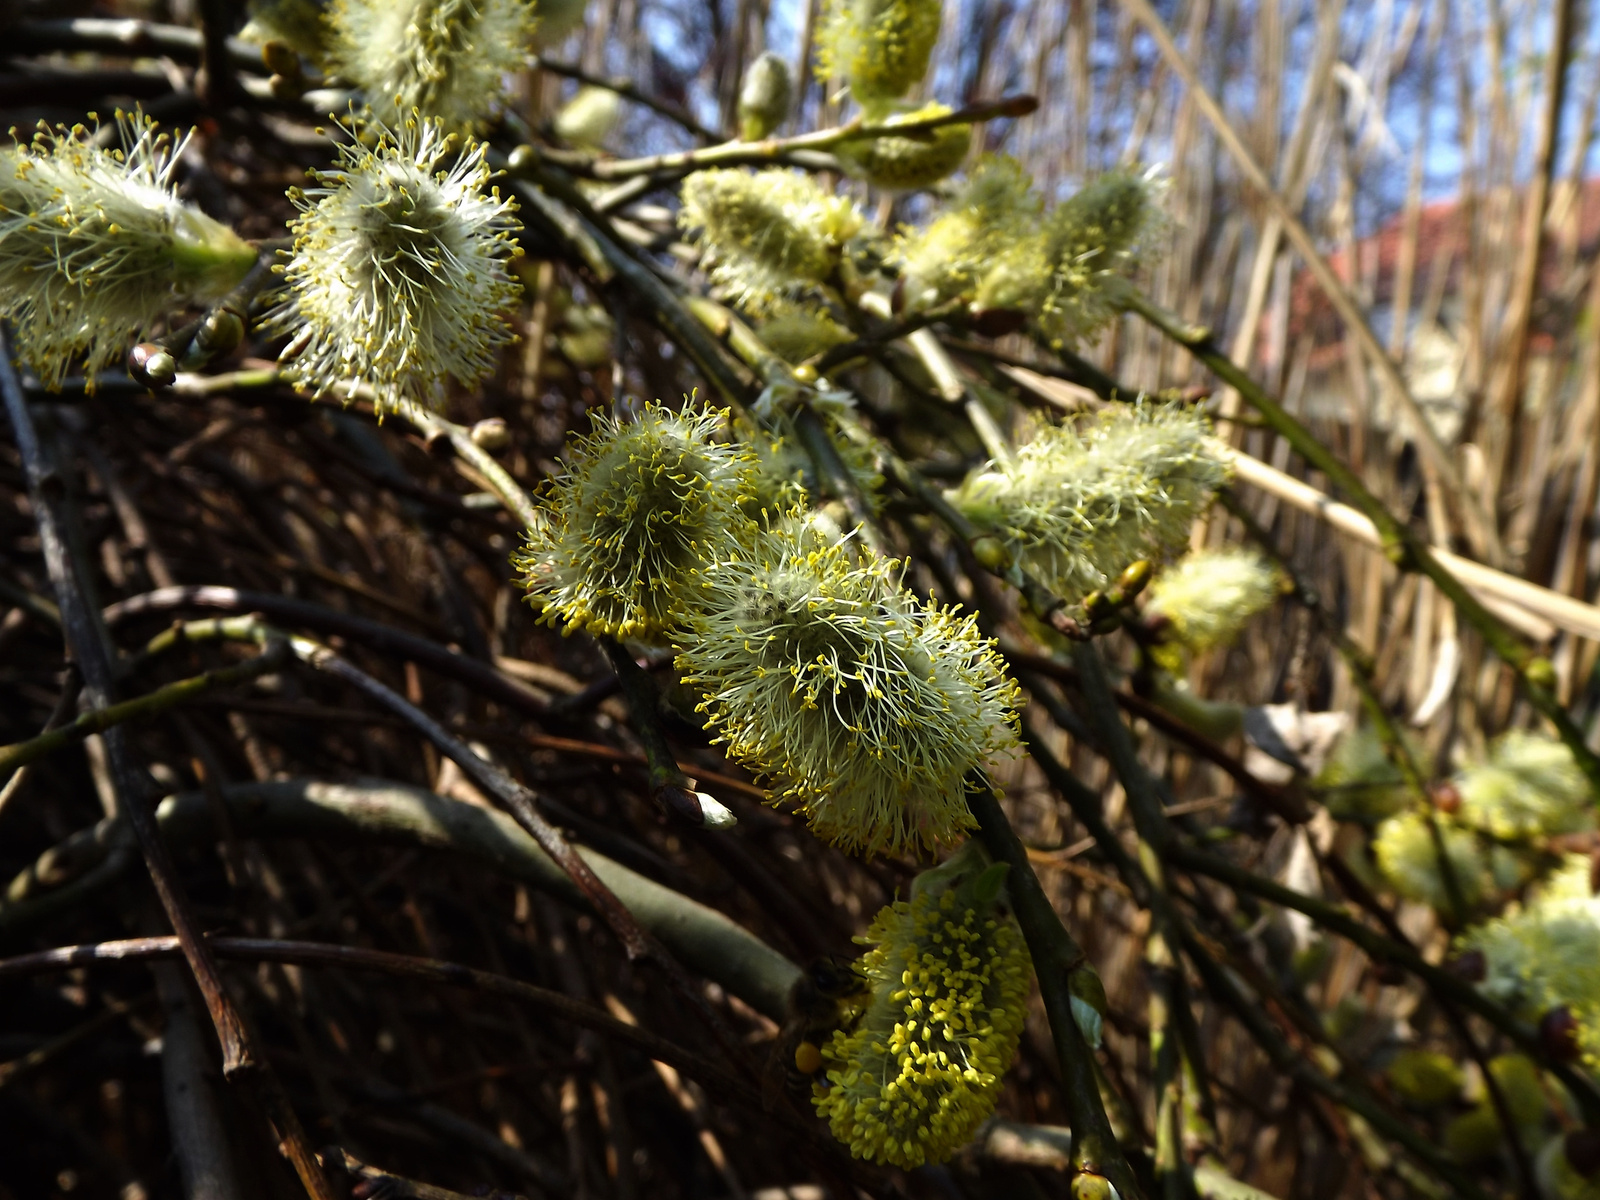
949,975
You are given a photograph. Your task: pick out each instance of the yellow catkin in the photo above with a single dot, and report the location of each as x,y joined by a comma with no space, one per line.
949,977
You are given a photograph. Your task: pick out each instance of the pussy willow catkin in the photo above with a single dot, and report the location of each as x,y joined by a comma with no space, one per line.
1080,502
948,975
768,234
95,245
863,705
447,59
1204,600
880,47
994,209
904,163
399,276
642,505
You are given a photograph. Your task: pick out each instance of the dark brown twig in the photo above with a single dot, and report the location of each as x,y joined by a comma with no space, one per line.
86,639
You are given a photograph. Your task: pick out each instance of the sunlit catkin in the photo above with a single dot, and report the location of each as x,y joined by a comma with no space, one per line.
994,209
1204,600
903,163
95,245
880,47
302,25
1411,863
1547,954
1081,502
398,279
949,976
1063,274
1527,786
643,504
863,705
768,234
443,58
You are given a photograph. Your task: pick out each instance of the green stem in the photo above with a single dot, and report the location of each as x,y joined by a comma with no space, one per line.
777,150
167,696
669,786
1056,957
553,192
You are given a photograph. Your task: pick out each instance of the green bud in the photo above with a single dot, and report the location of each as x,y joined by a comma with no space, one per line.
765,98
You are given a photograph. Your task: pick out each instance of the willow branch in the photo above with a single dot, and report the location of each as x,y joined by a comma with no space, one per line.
305,614
377,811
403,966
776,150
1056,956
86,639
97,720
1409,551
552,192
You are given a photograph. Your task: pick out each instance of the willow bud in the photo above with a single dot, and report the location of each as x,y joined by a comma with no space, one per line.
765,98
589,117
